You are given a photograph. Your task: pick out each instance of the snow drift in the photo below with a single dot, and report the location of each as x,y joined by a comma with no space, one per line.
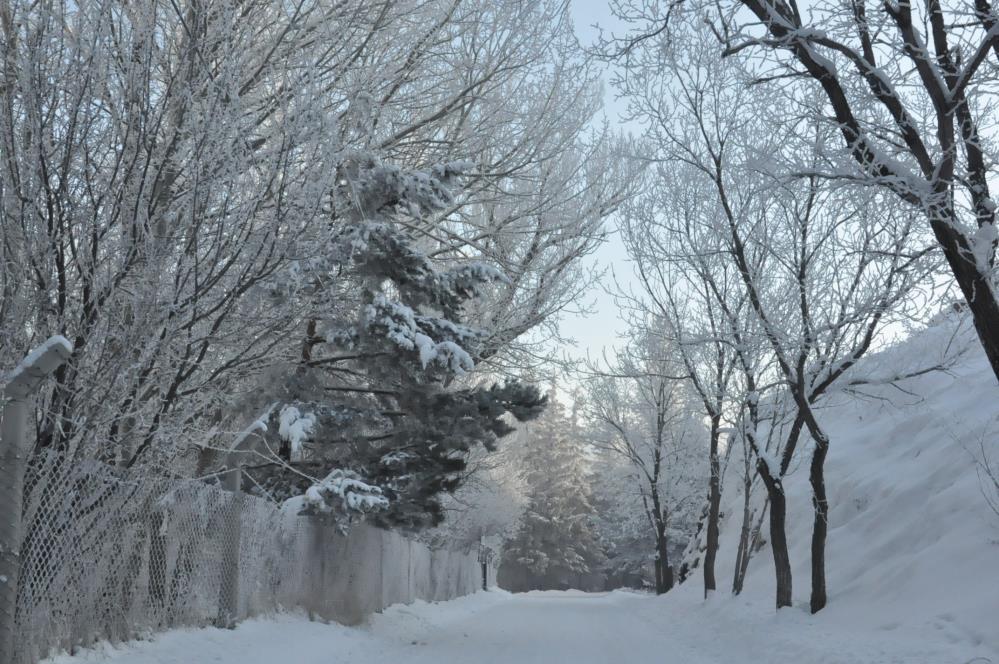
913,548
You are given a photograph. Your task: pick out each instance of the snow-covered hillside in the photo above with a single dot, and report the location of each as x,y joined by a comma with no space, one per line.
913,549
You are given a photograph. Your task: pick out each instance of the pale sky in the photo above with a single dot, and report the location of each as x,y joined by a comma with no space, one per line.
599,330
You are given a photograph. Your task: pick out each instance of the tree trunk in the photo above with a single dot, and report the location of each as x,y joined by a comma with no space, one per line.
755,542
820,503
714,507
778,536
664,581
743,551
975,285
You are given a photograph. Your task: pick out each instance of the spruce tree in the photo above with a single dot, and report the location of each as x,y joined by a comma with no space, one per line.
377,406
557,540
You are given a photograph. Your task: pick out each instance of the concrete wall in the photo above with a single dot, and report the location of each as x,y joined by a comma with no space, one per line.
352,577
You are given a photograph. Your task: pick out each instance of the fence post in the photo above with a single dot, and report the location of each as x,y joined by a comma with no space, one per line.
229,587
21,385
232,482
485,558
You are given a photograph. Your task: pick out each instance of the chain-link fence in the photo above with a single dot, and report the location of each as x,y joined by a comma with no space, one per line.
110,555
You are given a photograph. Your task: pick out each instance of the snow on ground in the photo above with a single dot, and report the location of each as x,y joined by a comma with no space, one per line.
549,628
913,565
913,549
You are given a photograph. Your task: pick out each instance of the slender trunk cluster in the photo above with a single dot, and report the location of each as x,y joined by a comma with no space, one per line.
755,543
741,189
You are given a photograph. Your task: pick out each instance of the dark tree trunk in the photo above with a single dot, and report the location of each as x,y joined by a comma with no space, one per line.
714,508
778,536
820,505
659,519
755,543
975,285
816,477
664,571
742,553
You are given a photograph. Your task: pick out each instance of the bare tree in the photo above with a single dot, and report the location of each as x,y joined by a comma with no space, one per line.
845,266
641,413
695,328
909,88
170,190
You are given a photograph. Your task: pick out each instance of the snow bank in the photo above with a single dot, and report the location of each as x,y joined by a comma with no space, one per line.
292,637
913,549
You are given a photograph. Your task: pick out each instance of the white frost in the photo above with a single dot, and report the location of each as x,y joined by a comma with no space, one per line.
295,428
31,359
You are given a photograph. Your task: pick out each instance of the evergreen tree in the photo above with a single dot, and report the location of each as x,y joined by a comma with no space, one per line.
375,406
557,539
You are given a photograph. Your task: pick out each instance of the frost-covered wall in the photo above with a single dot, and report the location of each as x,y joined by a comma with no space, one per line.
108,556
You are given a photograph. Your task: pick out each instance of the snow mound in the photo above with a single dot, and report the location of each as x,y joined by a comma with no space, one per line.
913,548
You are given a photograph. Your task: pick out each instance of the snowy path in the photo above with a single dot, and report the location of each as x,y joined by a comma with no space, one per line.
576,628
553,627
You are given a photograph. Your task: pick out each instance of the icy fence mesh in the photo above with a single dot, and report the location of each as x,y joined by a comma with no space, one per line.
109,556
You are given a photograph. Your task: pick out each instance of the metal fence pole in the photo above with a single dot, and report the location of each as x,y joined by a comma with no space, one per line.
21,385
232,482
229,587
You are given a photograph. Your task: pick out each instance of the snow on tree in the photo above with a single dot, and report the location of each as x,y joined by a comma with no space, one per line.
488,506
342,494
377,382
905,94
191,194
557,542
742,208
643,422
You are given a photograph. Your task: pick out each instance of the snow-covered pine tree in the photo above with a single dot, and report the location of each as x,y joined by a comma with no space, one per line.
557,542
377,386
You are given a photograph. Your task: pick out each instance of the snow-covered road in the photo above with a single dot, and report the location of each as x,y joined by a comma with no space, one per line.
552,627
573,627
